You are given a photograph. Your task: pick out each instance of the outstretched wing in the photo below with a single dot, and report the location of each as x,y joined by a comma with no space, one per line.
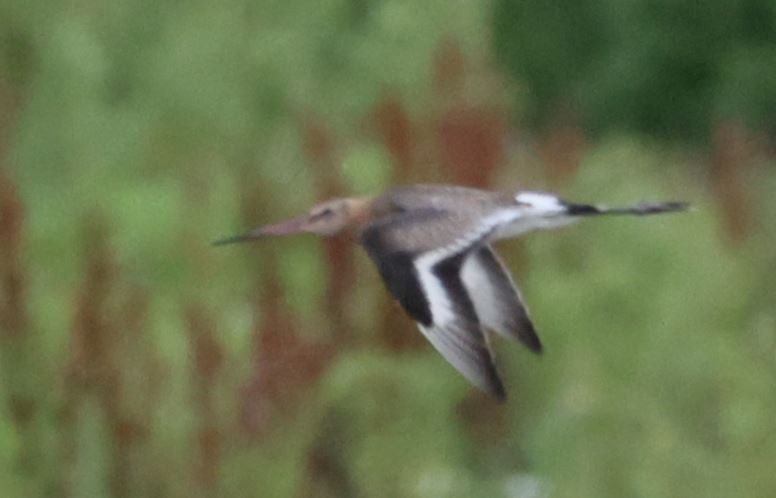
496,299
427,283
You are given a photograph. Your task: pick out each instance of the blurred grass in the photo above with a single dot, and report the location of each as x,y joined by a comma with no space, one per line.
136,360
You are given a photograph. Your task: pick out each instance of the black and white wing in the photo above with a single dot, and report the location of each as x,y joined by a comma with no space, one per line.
419,255
455,328
497,301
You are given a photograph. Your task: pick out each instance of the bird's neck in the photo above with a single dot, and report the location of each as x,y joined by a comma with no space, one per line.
359,215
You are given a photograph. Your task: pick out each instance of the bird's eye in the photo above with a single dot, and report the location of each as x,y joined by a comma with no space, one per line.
323,213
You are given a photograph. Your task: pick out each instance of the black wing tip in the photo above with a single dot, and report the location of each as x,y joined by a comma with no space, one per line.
496,389
494,385
529,338
536,347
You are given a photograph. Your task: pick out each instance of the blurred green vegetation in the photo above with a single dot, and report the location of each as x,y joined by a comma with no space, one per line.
138,361
669,69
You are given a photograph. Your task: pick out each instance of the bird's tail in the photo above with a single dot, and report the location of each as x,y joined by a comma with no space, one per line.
638,209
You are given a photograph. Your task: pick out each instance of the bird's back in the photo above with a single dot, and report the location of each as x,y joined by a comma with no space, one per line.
442,197
420,218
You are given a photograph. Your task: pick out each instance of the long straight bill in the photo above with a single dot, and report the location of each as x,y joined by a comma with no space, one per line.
288,227
234,239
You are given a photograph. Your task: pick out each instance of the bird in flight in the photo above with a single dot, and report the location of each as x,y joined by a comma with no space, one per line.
432,245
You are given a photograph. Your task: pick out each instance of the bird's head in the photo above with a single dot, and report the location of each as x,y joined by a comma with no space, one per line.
326,218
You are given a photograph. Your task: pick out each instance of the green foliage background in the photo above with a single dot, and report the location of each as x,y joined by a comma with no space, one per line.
665,68
139,361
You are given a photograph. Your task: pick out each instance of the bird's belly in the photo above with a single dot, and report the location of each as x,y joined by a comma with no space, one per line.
523,225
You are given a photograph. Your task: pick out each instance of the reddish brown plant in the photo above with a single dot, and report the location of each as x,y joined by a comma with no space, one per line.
208,356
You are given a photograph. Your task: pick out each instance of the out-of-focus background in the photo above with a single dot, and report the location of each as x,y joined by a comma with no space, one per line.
138,361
